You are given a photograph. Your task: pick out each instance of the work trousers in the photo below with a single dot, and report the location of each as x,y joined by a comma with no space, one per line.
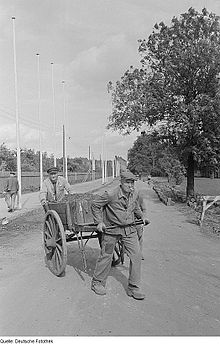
132,249
10,199
140,232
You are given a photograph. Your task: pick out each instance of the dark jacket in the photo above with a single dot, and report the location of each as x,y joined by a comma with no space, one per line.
12,185
114,208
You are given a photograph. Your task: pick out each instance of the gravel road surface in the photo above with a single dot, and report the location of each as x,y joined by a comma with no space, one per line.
180,276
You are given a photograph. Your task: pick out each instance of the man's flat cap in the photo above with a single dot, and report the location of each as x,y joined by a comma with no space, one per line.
52,170
127,175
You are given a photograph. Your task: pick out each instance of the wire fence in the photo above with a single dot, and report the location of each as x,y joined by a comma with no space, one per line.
30,181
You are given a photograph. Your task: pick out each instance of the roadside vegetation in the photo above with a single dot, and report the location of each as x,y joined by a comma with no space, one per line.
30,161
174,96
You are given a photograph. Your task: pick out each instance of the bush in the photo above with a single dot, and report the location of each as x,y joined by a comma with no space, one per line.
156,172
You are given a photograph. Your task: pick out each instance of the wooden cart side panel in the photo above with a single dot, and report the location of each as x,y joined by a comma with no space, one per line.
74,211
81,212
68,217
61,209
87,211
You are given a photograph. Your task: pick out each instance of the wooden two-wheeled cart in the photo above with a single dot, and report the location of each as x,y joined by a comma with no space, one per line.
76,217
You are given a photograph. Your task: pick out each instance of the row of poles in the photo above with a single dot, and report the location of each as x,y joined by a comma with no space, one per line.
115,163
17,115
54,122
115,166
39,118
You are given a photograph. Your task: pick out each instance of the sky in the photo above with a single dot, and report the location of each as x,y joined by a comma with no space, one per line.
90,42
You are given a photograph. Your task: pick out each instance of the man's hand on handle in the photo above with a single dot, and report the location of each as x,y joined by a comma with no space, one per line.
146,221
101,227
45,206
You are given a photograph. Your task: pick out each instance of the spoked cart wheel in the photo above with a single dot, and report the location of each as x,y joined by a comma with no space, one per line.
118,256
54,239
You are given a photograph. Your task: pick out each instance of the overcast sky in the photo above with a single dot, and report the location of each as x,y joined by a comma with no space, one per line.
90,42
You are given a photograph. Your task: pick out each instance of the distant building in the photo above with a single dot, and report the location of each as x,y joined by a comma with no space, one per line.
121,162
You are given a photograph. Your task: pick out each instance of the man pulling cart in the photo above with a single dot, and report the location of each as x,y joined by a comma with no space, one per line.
118,209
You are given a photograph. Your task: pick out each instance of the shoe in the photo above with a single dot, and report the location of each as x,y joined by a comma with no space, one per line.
135,293
98,288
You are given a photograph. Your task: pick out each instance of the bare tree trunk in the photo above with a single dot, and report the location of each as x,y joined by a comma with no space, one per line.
190,176
212,174
153,156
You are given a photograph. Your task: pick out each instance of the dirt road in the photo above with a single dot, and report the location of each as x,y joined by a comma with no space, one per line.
180,276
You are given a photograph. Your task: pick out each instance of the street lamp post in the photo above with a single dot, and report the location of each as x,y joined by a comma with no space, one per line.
90,163
113,168
103,162
64,134
17,117
39,120
105,170
93,167
54,114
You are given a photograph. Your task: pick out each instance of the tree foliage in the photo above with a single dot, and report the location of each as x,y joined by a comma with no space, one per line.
144,155
79,164
176,86
30,161
7,158
172,167
151,155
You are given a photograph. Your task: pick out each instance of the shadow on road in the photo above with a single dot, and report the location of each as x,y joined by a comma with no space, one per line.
75,260
116,272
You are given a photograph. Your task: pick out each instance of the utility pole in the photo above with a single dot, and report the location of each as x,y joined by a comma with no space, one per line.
39,121
117,167
64,134
17,117
64,153
105,170
54,115
93,167
90,167
113,168
103,162
89,153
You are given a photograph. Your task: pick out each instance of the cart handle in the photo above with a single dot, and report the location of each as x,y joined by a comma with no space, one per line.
138,222
91,226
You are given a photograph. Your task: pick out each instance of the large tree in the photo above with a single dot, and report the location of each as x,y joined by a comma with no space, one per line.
177,87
